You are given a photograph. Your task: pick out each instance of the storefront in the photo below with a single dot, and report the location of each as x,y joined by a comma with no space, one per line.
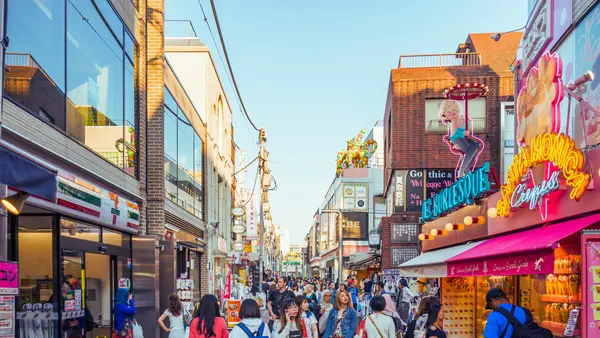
73,252
362,264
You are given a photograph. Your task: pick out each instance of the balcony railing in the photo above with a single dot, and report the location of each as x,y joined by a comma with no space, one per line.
440,60
180,29
20,60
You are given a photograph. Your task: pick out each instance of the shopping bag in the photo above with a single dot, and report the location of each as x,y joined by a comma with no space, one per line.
137,331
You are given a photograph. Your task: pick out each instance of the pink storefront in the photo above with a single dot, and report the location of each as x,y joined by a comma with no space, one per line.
536,234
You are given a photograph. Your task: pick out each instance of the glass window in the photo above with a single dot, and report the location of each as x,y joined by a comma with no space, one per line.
129,46
434,125
185,164
111,18
35,58
170,101
170,135
74,229
115,238
130,136
95,82
198,166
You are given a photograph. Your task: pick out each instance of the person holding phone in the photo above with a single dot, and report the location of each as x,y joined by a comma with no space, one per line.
124,312
289,324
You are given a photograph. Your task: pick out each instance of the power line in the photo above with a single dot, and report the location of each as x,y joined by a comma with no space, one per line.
214,9
247,165
253,188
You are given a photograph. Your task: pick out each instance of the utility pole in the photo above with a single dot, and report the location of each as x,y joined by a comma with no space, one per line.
263,168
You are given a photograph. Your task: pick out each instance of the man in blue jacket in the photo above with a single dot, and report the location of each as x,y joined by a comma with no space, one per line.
353,292
497,325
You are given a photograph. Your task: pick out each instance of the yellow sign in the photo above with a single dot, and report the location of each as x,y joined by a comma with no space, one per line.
557,149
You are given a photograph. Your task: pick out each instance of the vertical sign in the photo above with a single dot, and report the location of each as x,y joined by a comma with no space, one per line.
378,211
399,191
227,287
251,215
508,137
415,190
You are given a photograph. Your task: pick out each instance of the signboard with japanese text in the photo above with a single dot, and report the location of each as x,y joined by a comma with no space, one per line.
401,255
9,278
252,218
404,233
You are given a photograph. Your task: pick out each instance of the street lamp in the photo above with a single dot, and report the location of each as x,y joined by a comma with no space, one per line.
340,249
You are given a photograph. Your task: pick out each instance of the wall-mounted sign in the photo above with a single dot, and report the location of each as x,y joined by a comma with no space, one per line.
401,255
356,196
9,278
399,190
356,225
537,34
404,233
251,218
466,189
374,238
222,244
534,173
415,190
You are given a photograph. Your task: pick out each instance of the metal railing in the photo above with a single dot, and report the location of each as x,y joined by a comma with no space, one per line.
179,29
20,60
440,60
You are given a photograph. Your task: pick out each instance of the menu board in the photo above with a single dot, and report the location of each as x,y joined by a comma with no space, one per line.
405,233
7,316
438,180
415,190
401,255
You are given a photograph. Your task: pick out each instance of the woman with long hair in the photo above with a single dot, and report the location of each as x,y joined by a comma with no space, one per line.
289,324
325,307
208,322
311,297
341,322
420,321
251,322
435,319
309,320
175,314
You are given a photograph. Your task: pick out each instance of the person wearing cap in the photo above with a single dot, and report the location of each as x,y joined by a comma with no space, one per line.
497,324
403,300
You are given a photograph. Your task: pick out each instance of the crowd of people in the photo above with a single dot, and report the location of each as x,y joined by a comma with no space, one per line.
321,308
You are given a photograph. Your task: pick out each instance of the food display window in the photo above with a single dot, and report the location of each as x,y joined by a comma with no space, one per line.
458,295
484,284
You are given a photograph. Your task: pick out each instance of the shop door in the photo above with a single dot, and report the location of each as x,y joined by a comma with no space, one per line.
89,283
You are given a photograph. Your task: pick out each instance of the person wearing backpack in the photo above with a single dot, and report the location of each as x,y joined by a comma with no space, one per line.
510,321
251,325
418,327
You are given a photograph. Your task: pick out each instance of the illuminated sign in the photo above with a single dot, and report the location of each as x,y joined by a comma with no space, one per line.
560,151
543,151
466,189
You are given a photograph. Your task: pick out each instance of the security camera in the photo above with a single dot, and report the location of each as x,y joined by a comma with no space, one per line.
496,37
215,224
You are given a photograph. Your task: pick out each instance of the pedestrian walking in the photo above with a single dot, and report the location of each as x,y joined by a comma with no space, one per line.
289,324
296,289
378,324
175,313
390,310
325,307
418,327
251,325
341,322
208,322
276,298
435,319
124,313
353,290
309,320
403,300
313,301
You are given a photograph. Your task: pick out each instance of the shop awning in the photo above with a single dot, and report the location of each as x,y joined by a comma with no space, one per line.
360,258
521,253
433,263
24,174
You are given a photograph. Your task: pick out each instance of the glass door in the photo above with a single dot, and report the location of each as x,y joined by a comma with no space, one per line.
72,289
99,286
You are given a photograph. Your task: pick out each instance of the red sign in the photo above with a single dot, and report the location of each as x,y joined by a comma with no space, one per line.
227,287
539,262
9,278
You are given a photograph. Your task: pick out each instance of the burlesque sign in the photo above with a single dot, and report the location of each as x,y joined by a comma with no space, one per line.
466,189
545,156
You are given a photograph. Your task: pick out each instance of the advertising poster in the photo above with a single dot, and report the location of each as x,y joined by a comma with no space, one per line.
7,316
227,286
415,190
356,197
233,312
9,278
356,225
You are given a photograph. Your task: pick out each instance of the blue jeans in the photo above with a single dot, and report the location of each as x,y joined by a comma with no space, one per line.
469,148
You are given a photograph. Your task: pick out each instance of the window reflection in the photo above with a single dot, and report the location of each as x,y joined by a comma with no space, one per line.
185,164
170,155
35,60
198,162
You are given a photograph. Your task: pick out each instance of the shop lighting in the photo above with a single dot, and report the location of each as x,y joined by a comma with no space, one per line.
238,212
437,232
238,246
455,227
586,77
14,203
493,213
474,220
423,237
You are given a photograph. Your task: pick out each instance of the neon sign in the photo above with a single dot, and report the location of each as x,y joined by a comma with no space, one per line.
466,189
560,151
543,151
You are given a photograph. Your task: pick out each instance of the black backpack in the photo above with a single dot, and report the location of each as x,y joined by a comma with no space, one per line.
529,329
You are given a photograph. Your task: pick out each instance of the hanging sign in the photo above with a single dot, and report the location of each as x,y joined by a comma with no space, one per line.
544,153
227,287
251,215
466,189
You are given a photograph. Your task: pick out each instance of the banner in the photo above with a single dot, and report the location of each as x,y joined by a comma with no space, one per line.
227,287
252,214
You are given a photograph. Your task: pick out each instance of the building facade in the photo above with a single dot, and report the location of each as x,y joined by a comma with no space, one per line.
418,162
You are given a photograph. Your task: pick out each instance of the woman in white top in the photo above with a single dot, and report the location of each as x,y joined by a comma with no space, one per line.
175,313
309,321
379,325
289,324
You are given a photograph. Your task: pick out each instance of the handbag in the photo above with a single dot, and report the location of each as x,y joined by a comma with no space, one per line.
337,323
125,331
137,331
360,331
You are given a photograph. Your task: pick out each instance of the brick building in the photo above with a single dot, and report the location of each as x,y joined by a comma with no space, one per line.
418,162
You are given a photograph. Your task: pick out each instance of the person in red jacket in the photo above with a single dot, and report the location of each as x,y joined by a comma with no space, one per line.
208,322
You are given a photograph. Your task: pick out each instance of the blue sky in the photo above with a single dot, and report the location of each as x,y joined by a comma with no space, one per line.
314,72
